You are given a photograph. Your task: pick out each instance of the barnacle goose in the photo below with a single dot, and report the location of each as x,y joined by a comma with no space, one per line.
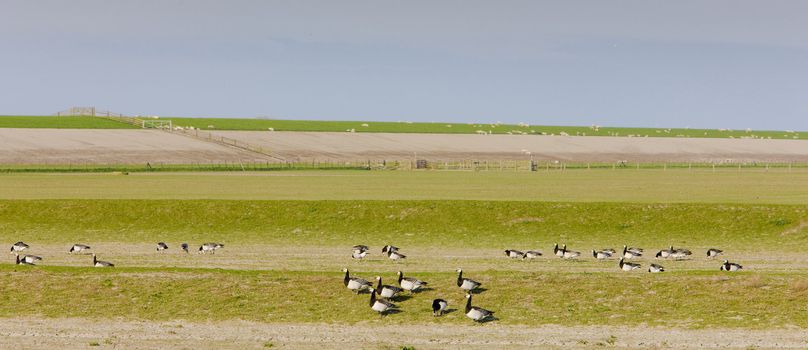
408,283
210,247
386,291
359,255
477,314
570,254
360,247
627,266
654,268
439,307
466,283
601,255
18,247
27,259
395,255
78,248
514,254
380,305
664,253
728,266
99,263
389,248
161,246
712,252
184,247
631,253
532,254
558,252
680,253
355,284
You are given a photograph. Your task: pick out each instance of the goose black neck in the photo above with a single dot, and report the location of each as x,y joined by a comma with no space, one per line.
400,277
347,278
372,298
468,304
460,278
379,286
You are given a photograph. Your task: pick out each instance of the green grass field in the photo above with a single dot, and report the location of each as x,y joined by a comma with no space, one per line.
394,127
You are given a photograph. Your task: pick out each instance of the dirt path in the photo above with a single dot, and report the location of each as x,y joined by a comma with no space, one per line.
38,333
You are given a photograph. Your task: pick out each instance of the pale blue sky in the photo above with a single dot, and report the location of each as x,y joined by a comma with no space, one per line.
721,64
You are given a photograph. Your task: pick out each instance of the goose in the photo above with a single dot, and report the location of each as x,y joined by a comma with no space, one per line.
439,307
477,314
161,246
184,247
210,247
408,283
78,248
395,255
18,247
635,250
609,250
532,254
570,254
601,255
712,252
664,253
360,248
631,253
728,266
654,268
680,253
26,260
380,305
99,263
355,284
558,252
627,266
466,283
514,254
386,291
389,248
356,254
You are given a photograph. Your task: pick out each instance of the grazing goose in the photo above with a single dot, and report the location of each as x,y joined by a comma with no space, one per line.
78,248
728,266
680,253
184,247
355,284
210,247
477,314
99,263
601,255
570,254
466,283
664,253
631,253
439,307
380,305
359,255
558,252
27,259
409,284
532,254
18,247
514,254
389,248
395,255
654,268
712,252
627,266
360,248
161,246
386,291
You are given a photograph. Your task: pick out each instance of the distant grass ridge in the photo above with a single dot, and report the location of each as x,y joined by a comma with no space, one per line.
51,122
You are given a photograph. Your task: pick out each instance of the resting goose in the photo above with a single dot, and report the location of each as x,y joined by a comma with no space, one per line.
609,250
360,247
99,263
359,255
439,307
627,266
408,283
355,284
18,247
476,313
728,266
514,254
380,305
210,247
161,246
601,255
184,247
631,253
558,252
78,248
389,248
654,268
386,291
466,283
712,252
570,254
395,255
680,253
664,253
532,254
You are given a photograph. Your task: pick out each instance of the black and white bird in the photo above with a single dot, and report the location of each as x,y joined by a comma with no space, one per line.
360,247
664,253
18,247
161,246
388,248
514,254
210,247
601,254
477,314
728,266
184,247
409,284
631,253
78,248
99,263
355,284
27,259
680,253
712,252
609,250
380,305
532,254
466,284
439,307
558,252
359,254
395,255
654,268
386,291
627,266
569,254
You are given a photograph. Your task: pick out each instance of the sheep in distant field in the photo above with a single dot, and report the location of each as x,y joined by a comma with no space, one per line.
365,125
271,129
